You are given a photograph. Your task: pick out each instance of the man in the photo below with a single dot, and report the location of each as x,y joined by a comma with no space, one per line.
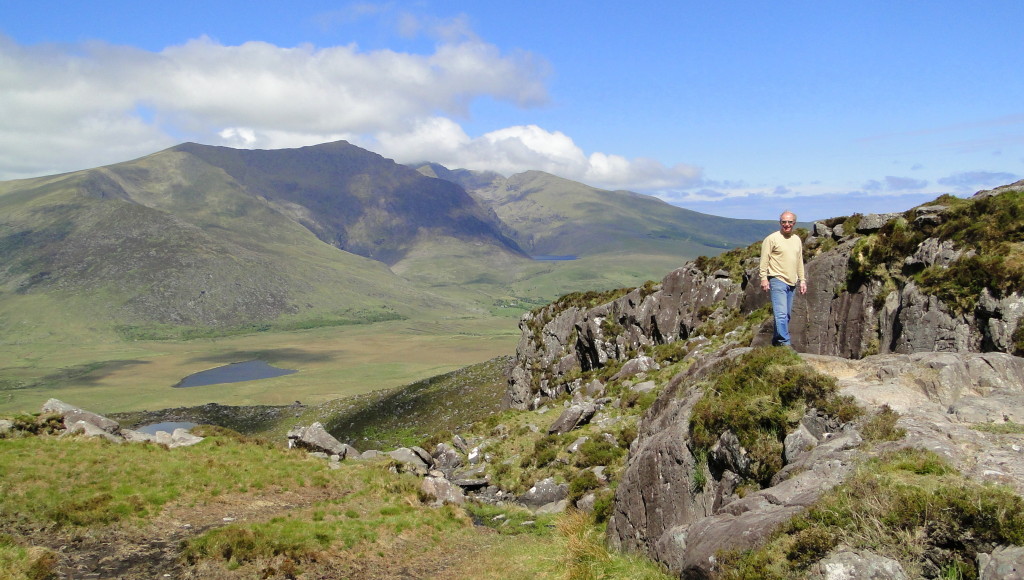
782,272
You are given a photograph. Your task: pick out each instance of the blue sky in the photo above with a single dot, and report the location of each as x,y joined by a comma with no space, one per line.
735,108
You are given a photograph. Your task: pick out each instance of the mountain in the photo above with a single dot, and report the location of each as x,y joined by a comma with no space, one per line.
209,236
212,237
549,215
355,200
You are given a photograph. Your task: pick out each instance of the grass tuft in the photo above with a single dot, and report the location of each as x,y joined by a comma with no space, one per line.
760,397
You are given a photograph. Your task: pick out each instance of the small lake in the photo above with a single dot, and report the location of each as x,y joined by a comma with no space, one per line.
252,370
168,426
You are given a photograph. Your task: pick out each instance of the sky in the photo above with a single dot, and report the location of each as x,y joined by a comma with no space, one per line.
738,108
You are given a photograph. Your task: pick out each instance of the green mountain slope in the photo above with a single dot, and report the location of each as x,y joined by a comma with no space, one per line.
548,215
171,240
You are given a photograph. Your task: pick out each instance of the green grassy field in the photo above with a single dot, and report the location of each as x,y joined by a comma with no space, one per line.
108,375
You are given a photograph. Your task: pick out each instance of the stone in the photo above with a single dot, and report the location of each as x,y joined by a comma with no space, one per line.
797,443
575,445
412,460
636,366
72,415
587,502
89,429
6,427
544,492
446,457
573,417
1004,563
555,507
644,387
442,491
316,438
856,565
873,222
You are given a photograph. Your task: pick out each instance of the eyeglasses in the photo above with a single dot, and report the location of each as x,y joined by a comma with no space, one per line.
786,221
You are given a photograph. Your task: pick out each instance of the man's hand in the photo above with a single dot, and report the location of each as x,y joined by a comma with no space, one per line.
764,285
803,287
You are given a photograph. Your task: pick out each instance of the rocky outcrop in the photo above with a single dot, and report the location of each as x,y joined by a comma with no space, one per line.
670,509
316,438
79,422
839,315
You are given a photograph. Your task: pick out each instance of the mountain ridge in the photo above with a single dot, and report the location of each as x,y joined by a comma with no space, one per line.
198,235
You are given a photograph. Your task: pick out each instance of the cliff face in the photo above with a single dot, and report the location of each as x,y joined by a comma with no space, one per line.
895,313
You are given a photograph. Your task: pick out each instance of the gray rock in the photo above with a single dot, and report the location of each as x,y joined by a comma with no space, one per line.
873,222
929,215
644,387
798,443
856,565
636,366
179,438
316,438
72,415
575,445
1004,563
587,503
411,459
6,426
573,417
442,491
932,252
555,507
999,406
544,492
89,429
445,457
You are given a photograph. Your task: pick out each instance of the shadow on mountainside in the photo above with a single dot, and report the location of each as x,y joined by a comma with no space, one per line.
276,355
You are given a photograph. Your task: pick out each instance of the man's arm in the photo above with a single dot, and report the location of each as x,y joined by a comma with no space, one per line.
763,268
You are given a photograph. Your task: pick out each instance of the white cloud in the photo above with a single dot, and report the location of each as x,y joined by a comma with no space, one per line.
79,106
69,107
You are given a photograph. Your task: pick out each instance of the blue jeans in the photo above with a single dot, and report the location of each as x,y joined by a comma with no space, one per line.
782,305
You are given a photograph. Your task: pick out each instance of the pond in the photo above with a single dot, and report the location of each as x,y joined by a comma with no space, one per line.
168,426
252,370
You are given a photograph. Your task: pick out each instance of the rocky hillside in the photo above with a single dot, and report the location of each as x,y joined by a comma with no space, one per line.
912,318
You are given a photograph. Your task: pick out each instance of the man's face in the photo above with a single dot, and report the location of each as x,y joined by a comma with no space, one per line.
787,222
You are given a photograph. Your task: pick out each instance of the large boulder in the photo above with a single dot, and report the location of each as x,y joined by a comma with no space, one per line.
316,438
856,565
72,415
1004,563
575,416
544,493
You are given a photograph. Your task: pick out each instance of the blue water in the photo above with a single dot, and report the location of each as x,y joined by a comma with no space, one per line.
168,426
252,370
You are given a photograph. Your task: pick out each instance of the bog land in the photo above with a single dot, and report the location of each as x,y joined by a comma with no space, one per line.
109,376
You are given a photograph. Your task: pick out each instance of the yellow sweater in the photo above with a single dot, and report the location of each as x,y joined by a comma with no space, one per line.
782,257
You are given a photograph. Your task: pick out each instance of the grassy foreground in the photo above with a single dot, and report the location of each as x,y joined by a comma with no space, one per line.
291,517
